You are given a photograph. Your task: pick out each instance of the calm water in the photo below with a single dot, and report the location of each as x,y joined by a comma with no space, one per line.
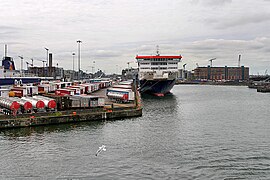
198,132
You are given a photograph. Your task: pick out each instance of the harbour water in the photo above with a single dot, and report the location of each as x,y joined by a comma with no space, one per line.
197,132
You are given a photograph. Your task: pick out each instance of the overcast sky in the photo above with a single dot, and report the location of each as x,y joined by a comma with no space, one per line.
113,32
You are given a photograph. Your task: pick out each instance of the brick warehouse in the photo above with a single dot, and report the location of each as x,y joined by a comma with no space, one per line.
221,73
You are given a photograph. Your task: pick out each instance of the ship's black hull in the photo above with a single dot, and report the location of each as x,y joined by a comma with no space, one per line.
156,87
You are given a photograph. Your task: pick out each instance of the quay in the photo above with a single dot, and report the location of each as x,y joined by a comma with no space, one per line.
105,102
70,116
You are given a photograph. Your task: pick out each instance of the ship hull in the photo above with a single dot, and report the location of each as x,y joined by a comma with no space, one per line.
22,80
156,87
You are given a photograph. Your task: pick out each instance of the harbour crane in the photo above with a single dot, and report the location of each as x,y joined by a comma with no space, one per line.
211,61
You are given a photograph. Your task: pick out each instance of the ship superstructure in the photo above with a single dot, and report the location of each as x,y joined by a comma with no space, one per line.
10,76
157,74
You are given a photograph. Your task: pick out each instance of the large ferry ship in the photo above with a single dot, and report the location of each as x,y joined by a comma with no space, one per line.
157,74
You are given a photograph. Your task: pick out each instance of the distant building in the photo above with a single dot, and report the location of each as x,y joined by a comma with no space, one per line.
221,73
129,73
185,75
56,73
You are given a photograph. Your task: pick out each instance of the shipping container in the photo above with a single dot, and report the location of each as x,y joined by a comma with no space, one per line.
4,93
63,92
87,88
19,92
31,90
122,86
77,91
44,88
123,95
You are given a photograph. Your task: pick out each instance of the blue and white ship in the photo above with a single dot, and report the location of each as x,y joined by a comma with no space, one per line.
10,76
157,74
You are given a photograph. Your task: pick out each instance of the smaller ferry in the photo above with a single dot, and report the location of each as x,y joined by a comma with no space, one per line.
157,74
10,76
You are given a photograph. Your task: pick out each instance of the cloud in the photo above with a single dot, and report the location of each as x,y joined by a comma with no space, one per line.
113,32
211,2
242,20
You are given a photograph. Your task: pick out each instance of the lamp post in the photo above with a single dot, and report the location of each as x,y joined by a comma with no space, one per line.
73,54
47,54
94,63
21,65
79,57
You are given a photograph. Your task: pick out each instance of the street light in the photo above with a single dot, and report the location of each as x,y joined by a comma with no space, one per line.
73,54
47,55
21,64
79,57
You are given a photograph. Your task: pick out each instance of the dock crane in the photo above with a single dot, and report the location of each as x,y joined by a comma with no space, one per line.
211,61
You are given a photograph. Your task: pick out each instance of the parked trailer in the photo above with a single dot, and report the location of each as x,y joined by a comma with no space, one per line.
49,102
64,92
26,106
4,93
9,106
31,90
44,88
81,88
94,87
123,95
39,105
19,92
87,88
122,86
77,91
126,82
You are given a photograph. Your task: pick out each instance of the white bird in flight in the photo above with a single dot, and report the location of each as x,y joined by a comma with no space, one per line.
102,148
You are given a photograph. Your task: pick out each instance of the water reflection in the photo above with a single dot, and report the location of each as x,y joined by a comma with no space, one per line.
29,131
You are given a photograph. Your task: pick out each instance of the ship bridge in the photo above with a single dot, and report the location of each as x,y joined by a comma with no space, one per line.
158,63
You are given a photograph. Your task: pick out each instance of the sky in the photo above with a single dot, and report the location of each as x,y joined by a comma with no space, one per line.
113,32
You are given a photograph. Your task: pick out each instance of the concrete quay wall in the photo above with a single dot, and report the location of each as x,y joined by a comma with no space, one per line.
67,117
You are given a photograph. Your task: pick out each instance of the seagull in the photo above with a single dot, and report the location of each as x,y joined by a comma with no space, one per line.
102,148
